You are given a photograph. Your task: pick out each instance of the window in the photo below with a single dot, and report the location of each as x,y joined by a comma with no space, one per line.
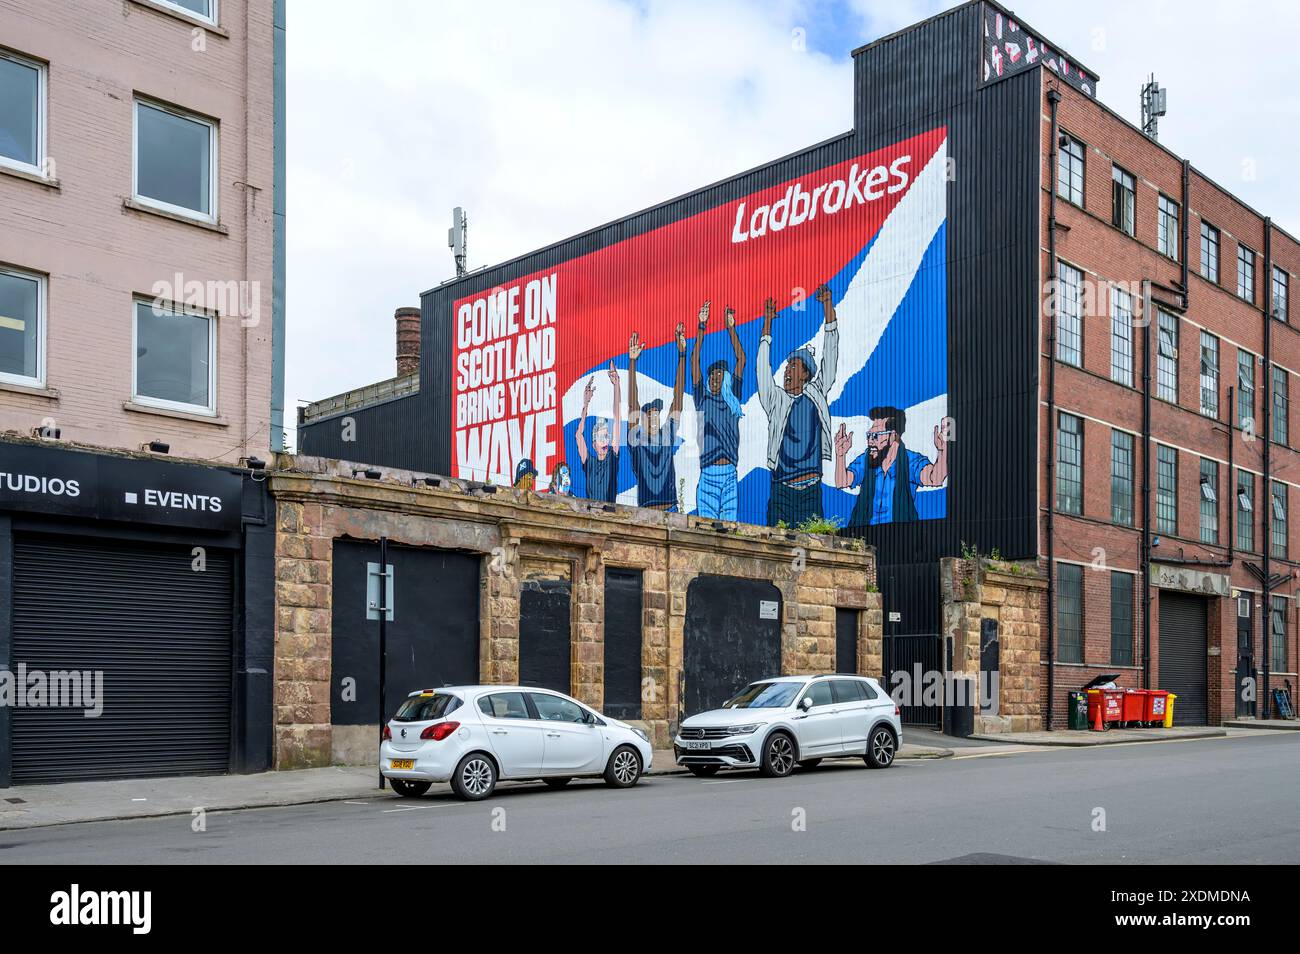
1245,511
22,328
1121,477
1209,501
1209,375
426,708
1209,252
849,690
1281,404
1167,357
1245,273
22,113
1069,171
1246,391
175,161
1069,612
1123,195
175,352
1166,489
1121,619
1069,314
820,692
1069,464
203,9
1281,281
1167,227
1277,642
554,709
504,705
1277,521
1121,336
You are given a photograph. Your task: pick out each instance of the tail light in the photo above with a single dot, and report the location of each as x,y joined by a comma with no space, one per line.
439,731
897,711
387,734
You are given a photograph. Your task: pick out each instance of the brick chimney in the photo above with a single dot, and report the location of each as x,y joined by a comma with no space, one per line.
408,340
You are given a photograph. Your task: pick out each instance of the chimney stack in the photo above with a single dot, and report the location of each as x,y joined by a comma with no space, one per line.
408,340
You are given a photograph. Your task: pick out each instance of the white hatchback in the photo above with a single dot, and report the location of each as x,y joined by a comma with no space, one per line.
775,724
473,736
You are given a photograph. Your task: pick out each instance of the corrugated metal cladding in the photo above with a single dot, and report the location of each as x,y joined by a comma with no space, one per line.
922,225
393,434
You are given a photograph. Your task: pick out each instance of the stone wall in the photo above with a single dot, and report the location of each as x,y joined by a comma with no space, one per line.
1010,593
521,534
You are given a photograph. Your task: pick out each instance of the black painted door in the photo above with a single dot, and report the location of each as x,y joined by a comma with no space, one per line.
432,639
733,636
544,627
623,643
846,640
1182,655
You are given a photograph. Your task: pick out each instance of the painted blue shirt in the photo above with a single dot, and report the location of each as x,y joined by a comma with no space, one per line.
882,507
652,463
720,427
801,444
602,475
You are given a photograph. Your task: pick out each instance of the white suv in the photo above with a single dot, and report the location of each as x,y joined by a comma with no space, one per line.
472,736
775,724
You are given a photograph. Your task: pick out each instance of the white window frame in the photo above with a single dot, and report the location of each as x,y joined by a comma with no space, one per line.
213,160
1121,337
42,104
190,14
41,330
209,410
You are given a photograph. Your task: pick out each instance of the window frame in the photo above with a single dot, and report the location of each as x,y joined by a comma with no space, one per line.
1280,411
1126,657
1245,515
1118,175
1277,648
1246,390
190,14
1245,266
1275,551
145,400
1074,314
1077,466
42,68
1163,525
1061,181
1211,241
1166,236
1075,574
1121,337
1208,498
1121,484
1167,365
1281,278
42,328
1217,351
214,160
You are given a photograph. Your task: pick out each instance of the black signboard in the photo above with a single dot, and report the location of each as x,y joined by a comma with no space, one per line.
78,484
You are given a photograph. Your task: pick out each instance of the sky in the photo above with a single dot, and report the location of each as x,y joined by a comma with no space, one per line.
543,120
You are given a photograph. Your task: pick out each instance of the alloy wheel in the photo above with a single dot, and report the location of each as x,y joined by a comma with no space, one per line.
625,767
882,747
476,776
780,755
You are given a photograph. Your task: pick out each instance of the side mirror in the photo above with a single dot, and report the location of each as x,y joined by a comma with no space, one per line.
805,703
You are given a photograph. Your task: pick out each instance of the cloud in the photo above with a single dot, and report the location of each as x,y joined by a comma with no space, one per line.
544,120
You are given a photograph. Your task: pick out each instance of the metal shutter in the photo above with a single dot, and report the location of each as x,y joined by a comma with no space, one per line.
1182,655
161,634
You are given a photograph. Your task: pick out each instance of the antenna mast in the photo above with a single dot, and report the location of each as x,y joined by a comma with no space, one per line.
456,238
1153,107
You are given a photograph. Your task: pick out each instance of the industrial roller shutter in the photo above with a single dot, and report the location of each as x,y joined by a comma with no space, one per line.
1182,655
158,629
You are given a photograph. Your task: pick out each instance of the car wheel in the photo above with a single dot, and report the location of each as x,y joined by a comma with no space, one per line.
881,749
624,768
778,756
475,777
557,782
408,789
702,771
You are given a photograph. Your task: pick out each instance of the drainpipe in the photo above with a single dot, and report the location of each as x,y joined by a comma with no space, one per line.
1054,101
1266,608
1149,314
1230,500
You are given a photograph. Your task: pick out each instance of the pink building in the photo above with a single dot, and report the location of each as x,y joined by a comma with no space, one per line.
141,224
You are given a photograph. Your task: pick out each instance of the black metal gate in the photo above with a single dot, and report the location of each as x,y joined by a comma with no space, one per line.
1182,655
732,637
914,674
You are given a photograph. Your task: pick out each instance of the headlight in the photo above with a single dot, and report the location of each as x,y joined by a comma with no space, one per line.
745,729
640,733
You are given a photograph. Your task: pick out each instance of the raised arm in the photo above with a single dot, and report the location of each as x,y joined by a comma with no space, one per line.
843,444
633,406
830,341
679,383
617,435
766,384
581,436
695,351
934,474
730,318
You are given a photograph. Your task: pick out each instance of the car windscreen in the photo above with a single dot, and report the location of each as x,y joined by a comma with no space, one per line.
764,695
425,708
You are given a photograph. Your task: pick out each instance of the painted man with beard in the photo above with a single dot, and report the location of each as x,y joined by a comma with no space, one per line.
798,418
887,471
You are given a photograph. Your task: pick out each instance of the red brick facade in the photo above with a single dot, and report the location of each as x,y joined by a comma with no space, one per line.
1106,255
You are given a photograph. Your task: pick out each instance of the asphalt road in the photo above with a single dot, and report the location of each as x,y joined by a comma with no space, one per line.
1206,801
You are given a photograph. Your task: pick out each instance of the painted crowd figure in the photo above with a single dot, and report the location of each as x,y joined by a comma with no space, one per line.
652,443
718,414
600,461
884,497
798,418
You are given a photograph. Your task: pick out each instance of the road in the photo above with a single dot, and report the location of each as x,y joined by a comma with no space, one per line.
1206,801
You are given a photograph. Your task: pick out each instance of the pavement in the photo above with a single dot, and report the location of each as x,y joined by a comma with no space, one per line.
1075,737
36,806
1198,802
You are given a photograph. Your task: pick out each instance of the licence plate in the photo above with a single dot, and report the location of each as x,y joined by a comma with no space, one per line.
697,745
399,764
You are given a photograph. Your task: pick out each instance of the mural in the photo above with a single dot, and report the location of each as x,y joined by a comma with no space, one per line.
1009,48
808,318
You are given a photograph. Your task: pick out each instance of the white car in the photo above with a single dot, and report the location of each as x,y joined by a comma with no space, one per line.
473,736
775,724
